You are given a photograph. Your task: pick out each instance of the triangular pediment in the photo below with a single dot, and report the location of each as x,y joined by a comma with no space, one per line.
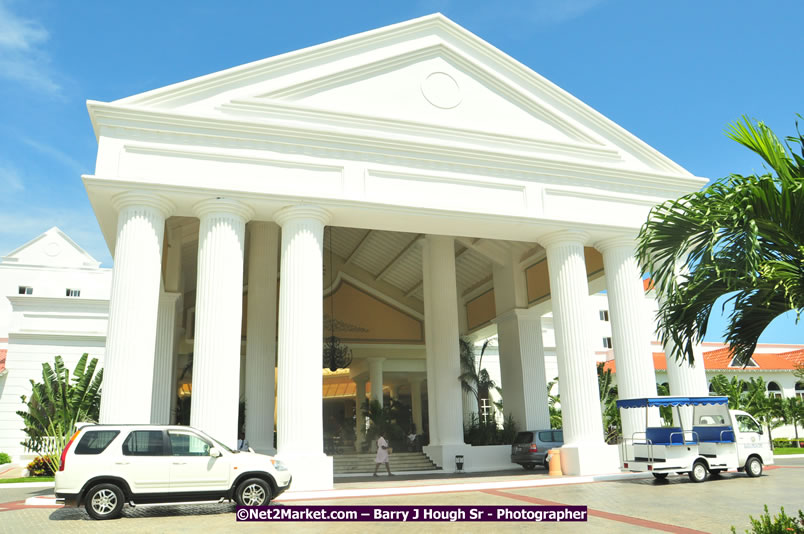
426,79
53,248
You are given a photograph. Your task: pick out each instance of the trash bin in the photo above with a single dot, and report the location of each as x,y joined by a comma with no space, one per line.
459,462
555,462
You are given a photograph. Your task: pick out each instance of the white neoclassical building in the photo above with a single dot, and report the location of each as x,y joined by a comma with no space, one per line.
421,178
54,300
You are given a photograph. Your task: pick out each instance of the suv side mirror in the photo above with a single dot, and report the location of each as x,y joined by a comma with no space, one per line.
215,453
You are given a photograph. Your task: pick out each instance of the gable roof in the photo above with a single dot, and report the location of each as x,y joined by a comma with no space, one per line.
273,90
52,248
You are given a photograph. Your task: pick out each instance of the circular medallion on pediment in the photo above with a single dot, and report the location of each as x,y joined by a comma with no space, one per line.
441,90
52,249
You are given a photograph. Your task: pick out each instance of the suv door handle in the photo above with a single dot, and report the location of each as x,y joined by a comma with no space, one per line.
179,463
122,463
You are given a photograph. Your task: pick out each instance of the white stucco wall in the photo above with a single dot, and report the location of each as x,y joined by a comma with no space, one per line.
46,323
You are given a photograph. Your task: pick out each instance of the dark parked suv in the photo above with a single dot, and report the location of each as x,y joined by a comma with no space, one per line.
530,447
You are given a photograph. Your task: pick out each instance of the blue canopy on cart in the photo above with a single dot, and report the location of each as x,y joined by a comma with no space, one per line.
670,401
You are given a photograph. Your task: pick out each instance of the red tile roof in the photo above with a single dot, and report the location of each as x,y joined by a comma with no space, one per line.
796,356
658,363
3,353
721,358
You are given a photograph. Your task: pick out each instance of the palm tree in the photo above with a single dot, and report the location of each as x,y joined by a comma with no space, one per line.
612,426
58,403
666,412
474,378
734,389
554,405
742,235
761,406
791,411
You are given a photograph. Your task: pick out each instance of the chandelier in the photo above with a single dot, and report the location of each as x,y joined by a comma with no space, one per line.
336,355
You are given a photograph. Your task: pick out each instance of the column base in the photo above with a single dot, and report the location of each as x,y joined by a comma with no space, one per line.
590,459
310,471
475,459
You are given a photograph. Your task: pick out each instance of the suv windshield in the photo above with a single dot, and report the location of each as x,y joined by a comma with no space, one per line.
524,437
218,443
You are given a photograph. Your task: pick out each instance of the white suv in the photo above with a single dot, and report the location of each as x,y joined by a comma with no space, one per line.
105,466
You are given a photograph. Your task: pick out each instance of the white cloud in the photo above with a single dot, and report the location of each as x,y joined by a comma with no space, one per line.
62,157
10,179
22,57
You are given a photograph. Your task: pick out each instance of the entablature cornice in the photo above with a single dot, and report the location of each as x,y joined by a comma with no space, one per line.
163,128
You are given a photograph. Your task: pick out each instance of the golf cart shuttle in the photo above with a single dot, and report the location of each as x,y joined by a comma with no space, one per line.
720,439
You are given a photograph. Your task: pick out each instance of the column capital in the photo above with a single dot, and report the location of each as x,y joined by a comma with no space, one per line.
223,205
563,236
302,211
123,200
619,241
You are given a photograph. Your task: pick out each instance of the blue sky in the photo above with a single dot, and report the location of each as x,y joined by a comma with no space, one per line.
672,73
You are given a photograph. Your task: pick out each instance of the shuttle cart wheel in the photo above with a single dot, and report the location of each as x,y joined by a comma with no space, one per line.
753,467
698,473
660,476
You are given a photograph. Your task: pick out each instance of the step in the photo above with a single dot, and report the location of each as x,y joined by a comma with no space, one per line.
364,463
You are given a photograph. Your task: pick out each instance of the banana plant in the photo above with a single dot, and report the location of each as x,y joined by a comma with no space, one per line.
57,403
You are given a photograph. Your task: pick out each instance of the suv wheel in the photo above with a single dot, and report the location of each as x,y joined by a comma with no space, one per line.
104,501
529,467
253,492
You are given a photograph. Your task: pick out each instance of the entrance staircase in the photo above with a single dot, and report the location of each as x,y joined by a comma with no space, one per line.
364,463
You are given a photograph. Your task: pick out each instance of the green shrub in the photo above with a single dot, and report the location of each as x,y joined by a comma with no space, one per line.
4,458
40,467
781,524
782,442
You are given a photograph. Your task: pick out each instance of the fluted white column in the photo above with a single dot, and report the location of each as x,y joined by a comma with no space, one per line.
360,419
522,369
133,306
686,380
218,317
164,384
430,356
416,403
261,335
580,399
300,437
636,376
442,296
375,377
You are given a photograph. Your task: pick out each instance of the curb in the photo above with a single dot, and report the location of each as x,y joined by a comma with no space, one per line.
452,487
44,500
28,485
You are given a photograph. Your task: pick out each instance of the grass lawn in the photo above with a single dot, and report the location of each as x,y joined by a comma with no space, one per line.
25,479
788,450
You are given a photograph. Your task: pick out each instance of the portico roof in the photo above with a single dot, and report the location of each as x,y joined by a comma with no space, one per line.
418,127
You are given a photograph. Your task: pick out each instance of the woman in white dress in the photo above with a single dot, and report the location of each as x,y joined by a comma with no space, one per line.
382,455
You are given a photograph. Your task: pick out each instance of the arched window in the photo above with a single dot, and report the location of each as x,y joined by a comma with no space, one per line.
711,387
774,390
800,390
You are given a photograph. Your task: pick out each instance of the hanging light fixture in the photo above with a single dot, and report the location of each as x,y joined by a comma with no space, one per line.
336,355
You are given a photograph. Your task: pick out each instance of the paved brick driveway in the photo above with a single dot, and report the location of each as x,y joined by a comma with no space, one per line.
635,505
